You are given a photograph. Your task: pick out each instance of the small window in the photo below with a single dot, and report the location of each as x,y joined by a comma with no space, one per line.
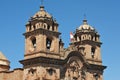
45,25
83,75
34,27
51,71
89,37
92,52
32,71
92,38
96,76
96,37
74,78
83,37
34,42
53,28
48,27
30,28
79,38
76,38
48,43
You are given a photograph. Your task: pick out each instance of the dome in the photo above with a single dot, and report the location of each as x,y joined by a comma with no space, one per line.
42,13
85,26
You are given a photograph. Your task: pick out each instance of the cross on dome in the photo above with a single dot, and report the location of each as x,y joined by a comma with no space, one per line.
42,2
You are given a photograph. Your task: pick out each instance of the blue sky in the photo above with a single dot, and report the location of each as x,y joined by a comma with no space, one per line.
104,15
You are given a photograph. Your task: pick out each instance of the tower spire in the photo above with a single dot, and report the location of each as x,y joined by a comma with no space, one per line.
42,2
84,20
41,6
84,16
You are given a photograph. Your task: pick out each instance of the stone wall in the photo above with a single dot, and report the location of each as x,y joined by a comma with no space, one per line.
16,74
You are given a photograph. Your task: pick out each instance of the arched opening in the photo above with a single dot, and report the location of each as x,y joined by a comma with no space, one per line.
76,37
74,68
92,51
96,76
77,54
33,40
48,43
89,37
48,27
53,28
83,37
45,26
34,27
51,71
30,28
74,78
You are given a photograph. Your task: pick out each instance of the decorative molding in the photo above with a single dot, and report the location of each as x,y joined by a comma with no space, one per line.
40,31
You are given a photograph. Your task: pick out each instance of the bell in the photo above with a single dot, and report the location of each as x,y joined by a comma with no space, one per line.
34,45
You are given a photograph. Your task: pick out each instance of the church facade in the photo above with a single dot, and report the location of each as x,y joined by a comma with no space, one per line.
45,57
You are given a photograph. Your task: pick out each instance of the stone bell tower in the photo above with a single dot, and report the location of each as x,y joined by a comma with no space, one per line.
41,35
41,46
87,41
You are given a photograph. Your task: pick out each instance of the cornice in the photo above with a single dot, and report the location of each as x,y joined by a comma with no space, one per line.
41,30
44,60
93,43
96,68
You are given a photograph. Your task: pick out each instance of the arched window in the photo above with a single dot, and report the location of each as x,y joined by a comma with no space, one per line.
74,78
53,28
34,27
92,38
79,38
82,37
30,28
51,71
89,37
45,25
48,43
37,25
33,39
92,52
83,75
96,76
48,27
32,71
86,36
76,38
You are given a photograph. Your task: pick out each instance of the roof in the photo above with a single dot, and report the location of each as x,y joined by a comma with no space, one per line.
3,60
2,57
85,26
42,13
